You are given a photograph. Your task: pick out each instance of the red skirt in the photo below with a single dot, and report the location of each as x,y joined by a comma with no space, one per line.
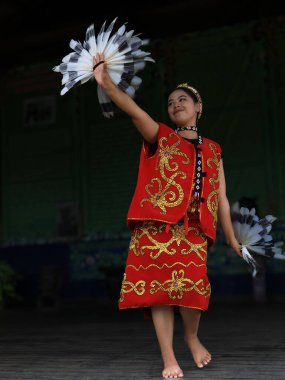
166,266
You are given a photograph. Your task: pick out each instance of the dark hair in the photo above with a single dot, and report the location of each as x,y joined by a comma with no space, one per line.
187,91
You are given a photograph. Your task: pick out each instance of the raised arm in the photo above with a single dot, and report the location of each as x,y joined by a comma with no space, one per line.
143,122
224,213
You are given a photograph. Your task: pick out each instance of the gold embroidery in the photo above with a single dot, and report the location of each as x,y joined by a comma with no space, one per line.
194,206
178,284
171,194
208,291
128,286
178,236
165,265
134,243
215,160
212,200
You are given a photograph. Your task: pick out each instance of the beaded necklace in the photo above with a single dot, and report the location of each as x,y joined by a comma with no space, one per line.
190,128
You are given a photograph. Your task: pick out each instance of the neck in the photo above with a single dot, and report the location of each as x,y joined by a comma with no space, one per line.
189,134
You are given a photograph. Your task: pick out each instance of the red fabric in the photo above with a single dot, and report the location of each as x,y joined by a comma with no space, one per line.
150,176
166,268
165,182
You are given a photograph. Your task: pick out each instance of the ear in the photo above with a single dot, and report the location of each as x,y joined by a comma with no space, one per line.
197,107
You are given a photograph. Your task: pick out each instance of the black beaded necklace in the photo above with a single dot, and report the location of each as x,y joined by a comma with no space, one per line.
190,128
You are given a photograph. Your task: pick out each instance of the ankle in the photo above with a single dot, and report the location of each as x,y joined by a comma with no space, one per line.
191,337
168,357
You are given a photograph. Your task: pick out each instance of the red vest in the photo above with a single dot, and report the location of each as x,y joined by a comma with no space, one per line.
165,182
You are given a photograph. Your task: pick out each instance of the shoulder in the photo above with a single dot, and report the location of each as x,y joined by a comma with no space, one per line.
210,141
164,128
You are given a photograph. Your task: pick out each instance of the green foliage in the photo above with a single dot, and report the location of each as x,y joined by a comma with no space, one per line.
8,281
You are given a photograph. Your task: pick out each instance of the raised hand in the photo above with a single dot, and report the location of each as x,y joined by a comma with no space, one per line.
100,71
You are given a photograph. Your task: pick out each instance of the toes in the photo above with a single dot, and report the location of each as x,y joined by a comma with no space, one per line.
171,375
204,362
167,375
208,358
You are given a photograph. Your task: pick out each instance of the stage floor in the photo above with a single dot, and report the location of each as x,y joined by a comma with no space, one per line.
88,342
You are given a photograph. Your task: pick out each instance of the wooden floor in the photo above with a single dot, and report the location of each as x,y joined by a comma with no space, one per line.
247,341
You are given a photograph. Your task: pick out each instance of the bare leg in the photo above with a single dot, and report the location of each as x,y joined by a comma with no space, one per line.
163,320
191,319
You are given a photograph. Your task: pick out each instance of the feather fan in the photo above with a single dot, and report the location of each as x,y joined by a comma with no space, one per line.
254,236
122,54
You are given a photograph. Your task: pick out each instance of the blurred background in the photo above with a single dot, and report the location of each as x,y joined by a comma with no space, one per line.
68,174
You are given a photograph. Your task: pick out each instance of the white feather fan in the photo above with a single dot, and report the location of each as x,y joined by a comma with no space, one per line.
122,54
253,235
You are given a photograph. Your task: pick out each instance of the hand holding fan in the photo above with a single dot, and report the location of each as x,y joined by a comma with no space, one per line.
122,55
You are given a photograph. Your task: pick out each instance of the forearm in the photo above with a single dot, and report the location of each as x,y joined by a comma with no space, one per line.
143,122
224,213
225,219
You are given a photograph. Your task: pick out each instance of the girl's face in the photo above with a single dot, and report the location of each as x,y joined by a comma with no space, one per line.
181,108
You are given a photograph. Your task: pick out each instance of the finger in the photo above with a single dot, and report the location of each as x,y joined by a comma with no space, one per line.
95,58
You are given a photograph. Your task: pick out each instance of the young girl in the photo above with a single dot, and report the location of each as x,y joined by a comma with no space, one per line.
180,193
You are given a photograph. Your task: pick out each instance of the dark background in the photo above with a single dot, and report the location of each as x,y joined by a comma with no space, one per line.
26,26
52,170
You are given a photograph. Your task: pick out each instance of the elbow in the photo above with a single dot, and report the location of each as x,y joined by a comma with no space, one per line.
223,201
147,127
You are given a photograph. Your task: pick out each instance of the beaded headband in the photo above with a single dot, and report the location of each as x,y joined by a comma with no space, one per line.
196,93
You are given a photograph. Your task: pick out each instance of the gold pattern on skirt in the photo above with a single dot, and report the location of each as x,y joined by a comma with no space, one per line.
149,229
128,286
165,265
178,284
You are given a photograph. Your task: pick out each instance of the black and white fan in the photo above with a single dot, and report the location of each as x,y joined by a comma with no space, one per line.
122,54
254,236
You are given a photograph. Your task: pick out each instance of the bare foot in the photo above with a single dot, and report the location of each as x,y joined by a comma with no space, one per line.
200,355
172,370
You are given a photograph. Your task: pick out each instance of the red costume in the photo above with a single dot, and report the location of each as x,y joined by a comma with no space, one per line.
166,264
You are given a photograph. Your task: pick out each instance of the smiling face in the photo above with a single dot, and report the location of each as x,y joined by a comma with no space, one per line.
182,109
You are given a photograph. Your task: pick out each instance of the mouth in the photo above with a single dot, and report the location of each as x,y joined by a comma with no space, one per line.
175,112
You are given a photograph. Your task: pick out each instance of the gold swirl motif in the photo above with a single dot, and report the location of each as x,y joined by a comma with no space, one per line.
178,235
212,200
214,159
178,284
170,195
165,265
128,286
134,243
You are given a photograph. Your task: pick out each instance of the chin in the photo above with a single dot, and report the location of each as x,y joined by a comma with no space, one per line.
177,118
180,122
